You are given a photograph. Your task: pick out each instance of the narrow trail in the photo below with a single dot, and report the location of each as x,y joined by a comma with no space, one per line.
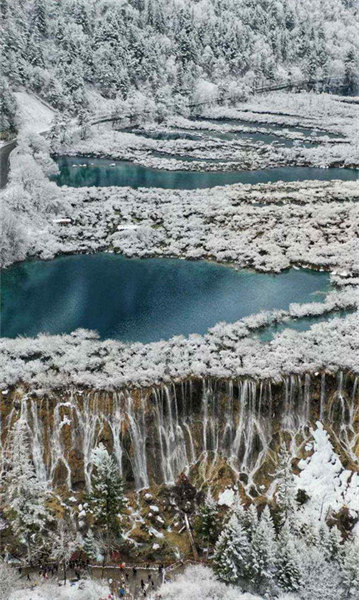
4,162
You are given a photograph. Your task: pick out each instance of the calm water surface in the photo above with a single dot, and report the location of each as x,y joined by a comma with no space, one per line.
82,171
142,299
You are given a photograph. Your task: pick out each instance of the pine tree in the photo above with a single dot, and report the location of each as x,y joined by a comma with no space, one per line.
40,17
106,498
250,519
263,551
288,565
24,495
330,540
208,525
286,487
90,545
231,553
350,579
7,107
351,71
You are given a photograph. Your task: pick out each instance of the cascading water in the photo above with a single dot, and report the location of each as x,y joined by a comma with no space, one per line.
157,433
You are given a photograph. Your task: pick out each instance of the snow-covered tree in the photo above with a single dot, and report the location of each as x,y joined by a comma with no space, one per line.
288,561
7,107
64,541
263,552
90,545
350,577
286,486
208,521
232,553
106,497
24,495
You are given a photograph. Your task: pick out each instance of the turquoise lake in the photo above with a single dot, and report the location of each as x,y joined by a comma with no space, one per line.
102,172
142,299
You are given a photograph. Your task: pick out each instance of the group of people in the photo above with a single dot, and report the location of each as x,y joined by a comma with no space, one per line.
143,587
130,586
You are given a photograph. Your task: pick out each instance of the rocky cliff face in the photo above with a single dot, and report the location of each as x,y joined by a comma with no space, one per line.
213,430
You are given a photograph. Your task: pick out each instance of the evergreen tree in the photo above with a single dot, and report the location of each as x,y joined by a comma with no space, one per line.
106,498
351,71
232,552
350,578
90,545
263,551
24,495
208,521
330,540
7,107
40,16
250,519
288,565
286,487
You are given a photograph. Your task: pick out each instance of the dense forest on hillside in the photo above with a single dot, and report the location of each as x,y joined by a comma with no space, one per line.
70,51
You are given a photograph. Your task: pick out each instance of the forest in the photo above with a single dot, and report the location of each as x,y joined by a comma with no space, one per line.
76,53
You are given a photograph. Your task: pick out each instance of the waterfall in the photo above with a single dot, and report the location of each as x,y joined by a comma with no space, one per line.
194,426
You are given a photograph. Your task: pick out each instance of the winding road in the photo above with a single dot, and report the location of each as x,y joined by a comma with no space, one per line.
4,162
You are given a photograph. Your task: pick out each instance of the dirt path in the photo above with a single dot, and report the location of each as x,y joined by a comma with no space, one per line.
151,577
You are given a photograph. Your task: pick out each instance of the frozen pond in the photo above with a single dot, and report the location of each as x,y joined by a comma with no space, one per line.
102,172
142,299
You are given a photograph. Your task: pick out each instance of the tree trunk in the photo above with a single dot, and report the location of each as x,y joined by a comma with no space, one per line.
193,545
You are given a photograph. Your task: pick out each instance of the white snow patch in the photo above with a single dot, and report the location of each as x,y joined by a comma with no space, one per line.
83,590
226,498
323,477
199,582
35,116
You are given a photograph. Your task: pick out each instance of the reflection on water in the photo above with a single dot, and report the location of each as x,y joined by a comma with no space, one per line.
142,299
80,171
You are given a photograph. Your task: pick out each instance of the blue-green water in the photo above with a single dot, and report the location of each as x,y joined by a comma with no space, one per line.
302,324
142,299
247,136
103,172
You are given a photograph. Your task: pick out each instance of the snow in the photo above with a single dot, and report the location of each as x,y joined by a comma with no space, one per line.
328,485
227,498
84,590
199,583
35,116
224,351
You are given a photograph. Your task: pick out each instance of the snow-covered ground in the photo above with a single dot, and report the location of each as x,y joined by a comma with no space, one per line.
35,115
84,590
200,583
329,486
